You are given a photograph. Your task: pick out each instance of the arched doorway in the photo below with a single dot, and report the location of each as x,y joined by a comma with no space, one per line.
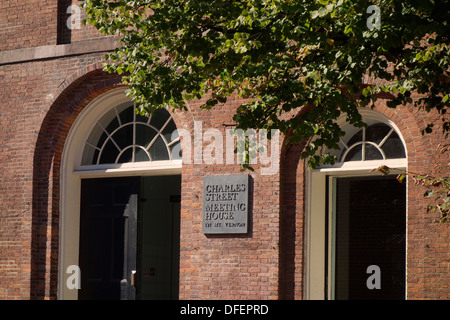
120,202
356,219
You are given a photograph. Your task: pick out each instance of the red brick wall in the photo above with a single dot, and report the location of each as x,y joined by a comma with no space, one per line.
34,23
230,266
27,23
85,32
40,102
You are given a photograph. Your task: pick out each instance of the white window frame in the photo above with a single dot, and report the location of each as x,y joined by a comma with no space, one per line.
134,145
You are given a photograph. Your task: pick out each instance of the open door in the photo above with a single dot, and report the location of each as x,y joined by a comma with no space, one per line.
129,238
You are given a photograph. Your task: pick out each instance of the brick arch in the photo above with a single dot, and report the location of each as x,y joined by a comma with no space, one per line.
291,216
73,95
293,190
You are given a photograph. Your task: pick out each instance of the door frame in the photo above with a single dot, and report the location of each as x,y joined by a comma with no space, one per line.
317,227
317,198
72,173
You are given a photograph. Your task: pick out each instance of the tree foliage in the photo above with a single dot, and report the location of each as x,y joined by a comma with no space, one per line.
281,55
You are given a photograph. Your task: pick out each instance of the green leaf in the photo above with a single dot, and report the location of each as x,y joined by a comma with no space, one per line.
348,29
314,14
429,193
323,12
401,177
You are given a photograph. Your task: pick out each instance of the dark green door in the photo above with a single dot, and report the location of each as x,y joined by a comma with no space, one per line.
159,234
129,238
107,223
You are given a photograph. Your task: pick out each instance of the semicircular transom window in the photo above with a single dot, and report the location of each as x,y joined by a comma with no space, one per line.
123,136
377,141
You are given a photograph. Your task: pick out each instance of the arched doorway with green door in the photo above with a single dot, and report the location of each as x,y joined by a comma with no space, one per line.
121,188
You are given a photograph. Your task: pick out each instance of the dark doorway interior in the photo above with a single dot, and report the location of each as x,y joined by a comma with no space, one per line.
370,230
129,238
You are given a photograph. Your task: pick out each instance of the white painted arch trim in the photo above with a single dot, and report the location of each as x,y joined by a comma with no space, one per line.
72,173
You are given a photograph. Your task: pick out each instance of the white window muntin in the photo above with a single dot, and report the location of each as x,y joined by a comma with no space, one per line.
101,137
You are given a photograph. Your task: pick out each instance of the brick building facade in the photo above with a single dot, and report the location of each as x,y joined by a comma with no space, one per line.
53,92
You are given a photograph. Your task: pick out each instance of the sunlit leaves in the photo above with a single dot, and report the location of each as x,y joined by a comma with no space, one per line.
281,56
437,189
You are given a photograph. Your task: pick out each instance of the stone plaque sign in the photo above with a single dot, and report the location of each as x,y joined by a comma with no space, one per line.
225,204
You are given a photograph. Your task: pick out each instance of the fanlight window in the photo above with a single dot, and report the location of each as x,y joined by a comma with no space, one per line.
377,141
123,136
